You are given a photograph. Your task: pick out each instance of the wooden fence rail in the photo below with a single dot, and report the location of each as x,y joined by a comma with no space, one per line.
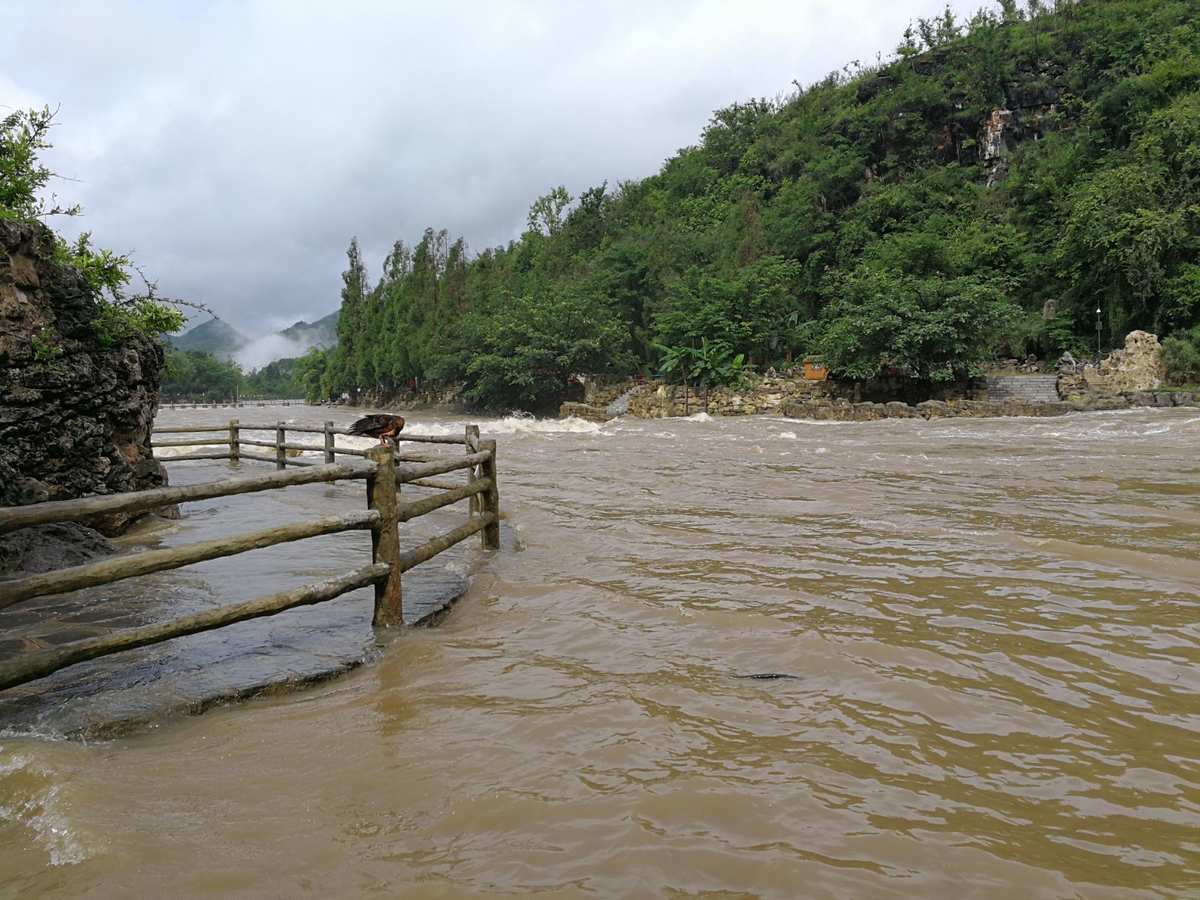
227,404
330,450
384,474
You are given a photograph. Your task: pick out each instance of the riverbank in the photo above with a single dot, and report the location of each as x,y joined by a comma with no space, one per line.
770,397
1130,377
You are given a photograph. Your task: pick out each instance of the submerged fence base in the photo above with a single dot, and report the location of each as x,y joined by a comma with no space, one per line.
387,510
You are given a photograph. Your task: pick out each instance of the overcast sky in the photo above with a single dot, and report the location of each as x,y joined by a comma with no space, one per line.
235,147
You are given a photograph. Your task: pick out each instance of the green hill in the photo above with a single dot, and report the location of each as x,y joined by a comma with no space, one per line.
983,192
321,333
215,336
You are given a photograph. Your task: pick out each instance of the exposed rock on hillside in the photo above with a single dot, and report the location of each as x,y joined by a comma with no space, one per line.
1139,367
75,415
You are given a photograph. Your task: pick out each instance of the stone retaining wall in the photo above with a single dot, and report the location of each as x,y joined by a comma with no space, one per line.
1029,388
842,411
656,401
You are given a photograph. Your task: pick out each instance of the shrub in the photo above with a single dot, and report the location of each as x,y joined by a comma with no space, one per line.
1181,353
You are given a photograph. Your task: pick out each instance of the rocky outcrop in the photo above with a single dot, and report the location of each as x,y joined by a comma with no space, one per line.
75,414
1138,367
44,548
1031,105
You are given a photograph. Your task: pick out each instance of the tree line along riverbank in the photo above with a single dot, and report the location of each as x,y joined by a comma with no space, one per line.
1016,184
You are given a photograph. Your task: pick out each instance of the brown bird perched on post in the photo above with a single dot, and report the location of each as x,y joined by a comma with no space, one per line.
382,426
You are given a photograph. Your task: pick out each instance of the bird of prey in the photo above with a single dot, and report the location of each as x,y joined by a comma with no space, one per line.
385,427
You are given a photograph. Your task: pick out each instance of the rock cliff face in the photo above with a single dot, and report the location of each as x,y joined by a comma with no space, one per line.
1138,367
75,416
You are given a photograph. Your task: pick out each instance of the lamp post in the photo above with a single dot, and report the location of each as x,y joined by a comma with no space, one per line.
1097,331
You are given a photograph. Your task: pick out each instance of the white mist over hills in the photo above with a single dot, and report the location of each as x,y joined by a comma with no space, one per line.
268,348
224,341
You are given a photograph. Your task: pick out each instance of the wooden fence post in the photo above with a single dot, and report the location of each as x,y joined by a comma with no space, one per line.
329,455
280,452
472,437
235,451
491,499
383,495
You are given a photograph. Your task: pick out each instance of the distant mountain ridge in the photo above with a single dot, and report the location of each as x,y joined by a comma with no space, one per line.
225,342
215,336
321,333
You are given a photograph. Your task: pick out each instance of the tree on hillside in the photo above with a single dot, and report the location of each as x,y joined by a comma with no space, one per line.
546,213
530,346
926,329
195,375
348,357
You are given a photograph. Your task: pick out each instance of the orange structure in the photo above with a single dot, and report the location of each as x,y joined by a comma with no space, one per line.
814,369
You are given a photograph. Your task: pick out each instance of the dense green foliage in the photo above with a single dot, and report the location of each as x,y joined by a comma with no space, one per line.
23,182
276,380
1181,353
23,178
196,375
859,218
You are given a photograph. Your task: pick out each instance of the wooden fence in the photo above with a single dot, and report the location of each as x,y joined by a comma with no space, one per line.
381,470
227,404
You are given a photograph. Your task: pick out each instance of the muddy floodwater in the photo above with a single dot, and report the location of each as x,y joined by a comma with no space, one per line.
988,633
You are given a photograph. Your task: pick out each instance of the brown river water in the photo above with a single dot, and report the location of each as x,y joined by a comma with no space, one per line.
990,628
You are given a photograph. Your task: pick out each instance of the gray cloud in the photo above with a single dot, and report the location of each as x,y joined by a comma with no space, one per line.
234,148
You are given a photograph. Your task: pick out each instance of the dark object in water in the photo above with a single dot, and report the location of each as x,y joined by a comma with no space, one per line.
382,426
767,676
44,548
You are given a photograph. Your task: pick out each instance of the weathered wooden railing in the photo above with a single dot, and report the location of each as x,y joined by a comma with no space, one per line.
227,404
385,512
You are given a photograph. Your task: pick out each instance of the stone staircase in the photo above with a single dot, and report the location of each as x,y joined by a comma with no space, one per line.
1025,388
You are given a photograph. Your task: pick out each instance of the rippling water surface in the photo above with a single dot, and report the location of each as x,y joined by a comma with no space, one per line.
990,631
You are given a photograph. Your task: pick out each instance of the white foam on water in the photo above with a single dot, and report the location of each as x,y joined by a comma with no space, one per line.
788,435
824,422
698,417
528,425
512,425
169,452
30,797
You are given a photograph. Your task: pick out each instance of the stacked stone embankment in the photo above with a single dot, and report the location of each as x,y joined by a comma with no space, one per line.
843,411
1023,388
